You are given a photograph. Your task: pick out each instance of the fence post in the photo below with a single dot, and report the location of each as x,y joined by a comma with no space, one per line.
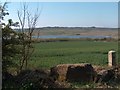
111,58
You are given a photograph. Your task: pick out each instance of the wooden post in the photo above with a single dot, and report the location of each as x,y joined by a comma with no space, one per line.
111,58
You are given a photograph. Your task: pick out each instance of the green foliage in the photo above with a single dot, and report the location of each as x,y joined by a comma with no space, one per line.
10,46
15,46
3,11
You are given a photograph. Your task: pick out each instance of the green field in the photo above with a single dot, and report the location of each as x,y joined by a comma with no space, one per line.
48,54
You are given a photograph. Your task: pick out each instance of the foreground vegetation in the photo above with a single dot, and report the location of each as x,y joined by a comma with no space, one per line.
48,54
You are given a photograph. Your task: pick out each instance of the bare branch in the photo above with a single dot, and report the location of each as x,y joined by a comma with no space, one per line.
19,16
24,16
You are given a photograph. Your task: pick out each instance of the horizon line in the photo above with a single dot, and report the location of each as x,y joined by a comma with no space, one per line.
70,27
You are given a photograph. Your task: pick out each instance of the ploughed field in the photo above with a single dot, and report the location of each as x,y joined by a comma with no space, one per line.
49,54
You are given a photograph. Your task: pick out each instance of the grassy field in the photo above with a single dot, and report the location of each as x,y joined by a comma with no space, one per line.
48,54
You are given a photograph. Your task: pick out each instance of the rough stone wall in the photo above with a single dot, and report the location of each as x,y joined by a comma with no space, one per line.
73,72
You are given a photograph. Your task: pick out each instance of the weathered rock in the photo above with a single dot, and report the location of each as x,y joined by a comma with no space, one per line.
105,75
82,73
73,72
98,68
59,72
38,79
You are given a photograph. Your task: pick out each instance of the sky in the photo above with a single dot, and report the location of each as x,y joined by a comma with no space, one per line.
70,14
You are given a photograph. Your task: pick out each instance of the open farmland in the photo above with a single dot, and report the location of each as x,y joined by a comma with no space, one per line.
48,54
83,31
